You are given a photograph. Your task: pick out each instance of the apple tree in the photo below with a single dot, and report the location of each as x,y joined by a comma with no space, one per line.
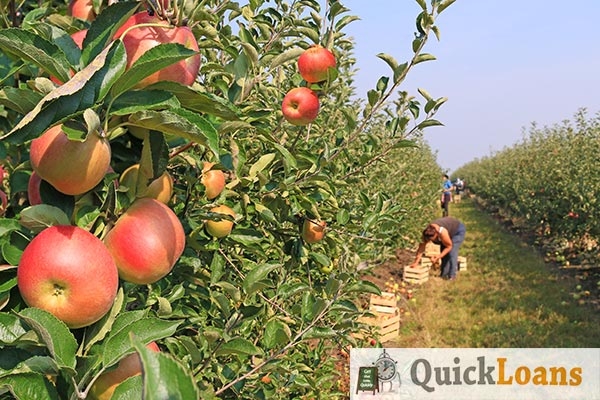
250,308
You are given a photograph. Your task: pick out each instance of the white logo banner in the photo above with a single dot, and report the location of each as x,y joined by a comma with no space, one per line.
475,374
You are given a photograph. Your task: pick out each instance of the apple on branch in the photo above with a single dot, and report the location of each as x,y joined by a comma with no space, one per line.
146,241
68,272
213,180
314,64
300,106
222,228
73,167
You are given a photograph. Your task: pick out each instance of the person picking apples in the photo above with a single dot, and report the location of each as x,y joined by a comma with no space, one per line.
449,233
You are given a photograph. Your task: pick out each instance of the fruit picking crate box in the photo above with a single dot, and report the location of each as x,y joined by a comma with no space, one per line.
386,319
418,274
462,263
432,249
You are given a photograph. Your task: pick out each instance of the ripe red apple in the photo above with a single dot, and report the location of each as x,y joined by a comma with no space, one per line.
313,231
213,180
314,64
300,106
68,272
139,40
222,228
160,189
130,365
71,166
146,241
33,189
3,202
82,9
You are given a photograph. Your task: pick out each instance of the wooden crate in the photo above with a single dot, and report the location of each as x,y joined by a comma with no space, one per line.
418,274
425,262
462,263
386,324
432,249
386,303
386,319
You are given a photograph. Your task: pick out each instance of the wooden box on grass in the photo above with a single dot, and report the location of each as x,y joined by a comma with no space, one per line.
386,319
418,274
432,249
462,263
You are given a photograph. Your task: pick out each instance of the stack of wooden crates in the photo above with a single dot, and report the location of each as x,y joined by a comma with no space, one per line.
420,274
386,319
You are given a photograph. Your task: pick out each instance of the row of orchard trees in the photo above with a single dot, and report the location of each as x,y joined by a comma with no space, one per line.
548,184
255,312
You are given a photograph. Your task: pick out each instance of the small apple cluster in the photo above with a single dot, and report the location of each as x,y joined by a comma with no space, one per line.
401,290
300,106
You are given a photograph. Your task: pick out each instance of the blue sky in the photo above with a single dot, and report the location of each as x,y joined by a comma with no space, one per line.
503,64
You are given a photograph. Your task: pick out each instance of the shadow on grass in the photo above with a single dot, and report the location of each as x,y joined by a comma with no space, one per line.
508,297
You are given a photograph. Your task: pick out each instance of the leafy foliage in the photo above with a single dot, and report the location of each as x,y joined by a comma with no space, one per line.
260,301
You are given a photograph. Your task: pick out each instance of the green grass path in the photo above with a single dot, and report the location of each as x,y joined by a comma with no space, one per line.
508,297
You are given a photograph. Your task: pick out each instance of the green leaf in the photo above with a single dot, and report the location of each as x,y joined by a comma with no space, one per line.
163,376
277,333
138,100
41,216
154,159
29,386
289,289
422,4
61,343
428,123
391,61
238,346
319,258
181,123
33,48
373,96
423,57
364,287
444,4
19,100
262,163
78,94
147,329
252,281
342,217
11,328
424,93
285,57
319,332
8,225
151,61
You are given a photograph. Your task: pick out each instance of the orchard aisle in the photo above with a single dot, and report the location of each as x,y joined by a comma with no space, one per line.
508,297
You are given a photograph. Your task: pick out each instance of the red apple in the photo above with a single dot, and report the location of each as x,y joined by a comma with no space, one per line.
68,272
71,166
146,241
313,231
82,9
3,202
33,189
131,365
300,106
139,40
213,180
222,228
314,64
160,189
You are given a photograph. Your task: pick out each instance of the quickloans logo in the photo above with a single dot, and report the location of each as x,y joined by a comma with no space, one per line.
502,372
475,374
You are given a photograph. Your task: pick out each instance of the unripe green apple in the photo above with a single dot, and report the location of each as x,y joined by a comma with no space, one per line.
146,241
68,272
160,189
222,228
131,365
72,167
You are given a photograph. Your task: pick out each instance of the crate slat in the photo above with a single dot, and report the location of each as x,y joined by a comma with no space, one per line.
418,274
